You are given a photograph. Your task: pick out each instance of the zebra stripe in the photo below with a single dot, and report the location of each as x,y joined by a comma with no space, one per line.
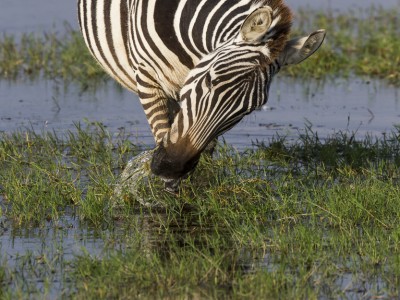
171,56
202,117
107,41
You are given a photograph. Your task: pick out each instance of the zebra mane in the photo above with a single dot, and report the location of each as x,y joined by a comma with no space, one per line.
280,27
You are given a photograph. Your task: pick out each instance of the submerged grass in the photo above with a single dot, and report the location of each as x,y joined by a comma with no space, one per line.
364,43
310,219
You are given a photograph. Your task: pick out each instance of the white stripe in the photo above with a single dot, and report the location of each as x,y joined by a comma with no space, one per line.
177,22
179,72
119,45
210,15
191,26
216,43
101,35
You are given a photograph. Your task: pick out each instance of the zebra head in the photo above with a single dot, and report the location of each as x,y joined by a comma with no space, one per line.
228,84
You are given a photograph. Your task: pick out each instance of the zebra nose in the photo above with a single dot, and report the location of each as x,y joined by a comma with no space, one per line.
172,166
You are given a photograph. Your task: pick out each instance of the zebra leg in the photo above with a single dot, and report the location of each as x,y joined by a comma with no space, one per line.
160,111
155,102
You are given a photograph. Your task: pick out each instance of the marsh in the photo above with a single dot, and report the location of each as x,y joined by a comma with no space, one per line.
312,174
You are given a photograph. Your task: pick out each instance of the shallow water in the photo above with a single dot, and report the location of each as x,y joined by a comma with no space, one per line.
334,106
353,106
44,106
42,256
17,16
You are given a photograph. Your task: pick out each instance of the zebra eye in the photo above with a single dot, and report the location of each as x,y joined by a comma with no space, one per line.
207,80
216,81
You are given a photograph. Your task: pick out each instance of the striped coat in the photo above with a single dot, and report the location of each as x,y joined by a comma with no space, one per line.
198,66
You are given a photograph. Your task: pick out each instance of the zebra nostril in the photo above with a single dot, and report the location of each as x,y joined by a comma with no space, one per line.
172,185
207,80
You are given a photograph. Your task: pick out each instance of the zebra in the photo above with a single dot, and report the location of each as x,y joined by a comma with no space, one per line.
198,66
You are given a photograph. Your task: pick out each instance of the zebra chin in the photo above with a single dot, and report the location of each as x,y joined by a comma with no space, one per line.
174,162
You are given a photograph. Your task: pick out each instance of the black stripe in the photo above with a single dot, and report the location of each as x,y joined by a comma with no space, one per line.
109,37
96,39
79,13
146,79
200,26
222,32
86,29
149,39
164,22
188,12
124,13
161,117
140,24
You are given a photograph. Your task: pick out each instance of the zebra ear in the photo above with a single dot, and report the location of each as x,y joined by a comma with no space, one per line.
256,25
299,49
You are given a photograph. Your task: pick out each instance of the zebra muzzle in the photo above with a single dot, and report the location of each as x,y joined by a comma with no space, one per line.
174,161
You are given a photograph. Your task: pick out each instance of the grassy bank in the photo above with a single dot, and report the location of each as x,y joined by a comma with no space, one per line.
363,43
302,220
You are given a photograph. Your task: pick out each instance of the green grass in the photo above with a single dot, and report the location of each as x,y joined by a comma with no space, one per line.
363,43
50,56
289,220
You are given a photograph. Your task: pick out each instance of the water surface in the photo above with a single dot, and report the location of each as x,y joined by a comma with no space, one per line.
354,106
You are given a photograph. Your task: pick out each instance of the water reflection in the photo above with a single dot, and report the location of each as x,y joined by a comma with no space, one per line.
42,256
39,258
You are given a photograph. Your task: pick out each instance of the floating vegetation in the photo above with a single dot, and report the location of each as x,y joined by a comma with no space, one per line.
307,219
363,43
